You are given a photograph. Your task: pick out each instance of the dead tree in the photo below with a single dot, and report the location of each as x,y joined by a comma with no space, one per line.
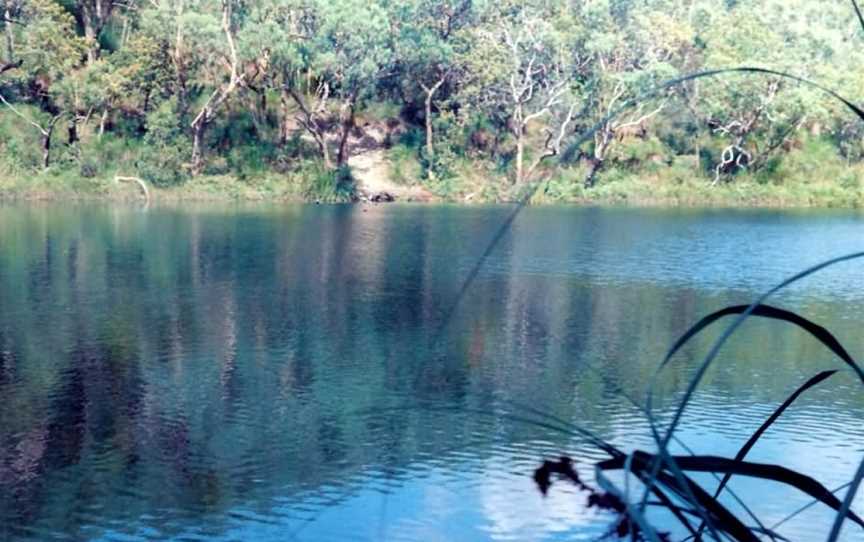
613,129
554,139
219,96
538,83
735,157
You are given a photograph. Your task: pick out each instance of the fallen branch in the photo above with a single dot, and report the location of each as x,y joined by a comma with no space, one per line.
140,182
5,67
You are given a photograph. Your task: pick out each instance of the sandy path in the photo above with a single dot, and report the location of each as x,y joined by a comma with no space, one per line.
371,170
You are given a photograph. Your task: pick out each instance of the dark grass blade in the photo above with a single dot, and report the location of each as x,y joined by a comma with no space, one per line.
844,511
774,313
858,13
802,482
633,514
707,463
710,510
759,527
719,515
676,510
723,519
742,453
807,506
771,534
663,456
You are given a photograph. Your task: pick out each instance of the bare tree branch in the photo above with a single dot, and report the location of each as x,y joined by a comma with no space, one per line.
43,131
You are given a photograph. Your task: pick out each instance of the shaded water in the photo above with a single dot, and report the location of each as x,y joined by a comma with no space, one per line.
273,374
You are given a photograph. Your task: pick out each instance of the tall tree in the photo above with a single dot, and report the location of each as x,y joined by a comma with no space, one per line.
629,50
53,52
234,80
351,53
525,69
94,16
430,42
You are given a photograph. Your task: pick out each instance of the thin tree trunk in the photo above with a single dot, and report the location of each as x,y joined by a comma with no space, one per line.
147,93
179,64
517,127
220,95
198,146
10,34
430,149
347,125
310,122
283,123
46,150
596,166
325,152
124,33
46,141
520,154
601,145
262,109
103,120
430,95
73,130
90,35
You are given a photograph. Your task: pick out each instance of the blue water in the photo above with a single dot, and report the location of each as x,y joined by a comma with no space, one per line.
299,373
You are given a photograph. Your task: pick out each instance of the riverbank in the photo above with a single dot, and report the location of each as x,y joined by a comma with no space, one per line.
657,189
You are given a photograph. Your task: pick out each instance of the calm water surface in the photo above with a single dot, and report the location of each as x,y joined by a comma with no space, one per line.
277,373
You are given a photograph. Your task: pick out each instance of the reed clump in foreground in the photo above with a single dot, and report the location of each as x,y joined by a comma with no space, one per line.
664,479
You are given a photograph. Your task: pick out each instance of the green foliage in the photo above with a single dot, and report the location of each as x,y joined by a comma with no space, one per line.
499,79
19,144
327,186
163,160
406,168
164,165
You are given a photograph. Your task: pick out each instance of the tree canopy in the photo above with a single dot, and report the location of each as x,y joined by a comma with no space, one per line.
191,87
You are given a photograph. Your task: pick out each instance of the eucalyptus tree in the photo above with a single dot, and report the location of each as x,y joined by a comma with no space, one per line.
756,116
10,17
222,71
52,53
95,15
326,57
190,34
523,65
430,44
283,31
132,77
351,51
628,51
737,109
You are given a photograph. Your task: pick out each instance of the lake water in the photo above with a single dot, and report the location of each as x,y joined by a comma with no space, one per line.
291,373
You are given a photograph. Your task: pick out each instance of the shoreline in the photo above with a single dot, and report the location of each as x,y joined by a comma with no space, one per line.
743,196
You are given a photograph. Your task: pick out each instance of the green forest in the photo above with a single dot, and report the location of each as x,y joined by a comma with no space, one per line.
451,100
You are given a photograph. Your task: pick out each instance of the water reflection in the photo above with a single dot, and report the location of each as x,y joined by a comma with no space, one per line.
271,373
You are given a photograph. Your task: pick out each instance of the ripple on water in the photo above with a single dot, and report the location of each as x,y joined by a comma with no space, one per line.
272,375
